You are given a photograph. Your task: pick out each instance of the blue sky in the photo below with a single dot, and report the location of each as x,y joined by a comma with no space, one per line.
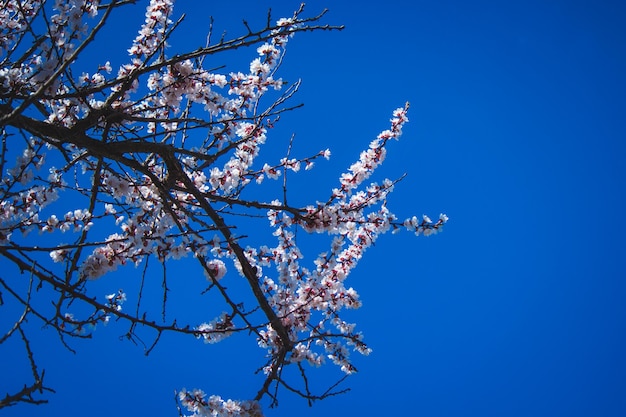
517,132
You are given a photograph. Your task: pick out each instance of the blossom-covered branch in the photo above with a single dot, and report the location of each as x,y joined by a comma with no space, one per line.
152,163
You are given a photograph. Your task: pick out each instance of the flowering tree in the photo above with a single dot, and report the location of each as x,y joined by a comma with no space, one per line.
104,167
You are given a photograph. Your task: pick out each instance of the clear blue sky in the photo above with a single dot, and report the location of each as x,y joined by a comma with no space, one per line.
518,129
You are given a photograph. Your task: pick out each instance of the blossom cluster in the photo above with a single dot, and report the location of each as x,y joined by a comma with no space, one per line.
115,300
426,225
151,36
197,402
15,17
217,330
70,324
